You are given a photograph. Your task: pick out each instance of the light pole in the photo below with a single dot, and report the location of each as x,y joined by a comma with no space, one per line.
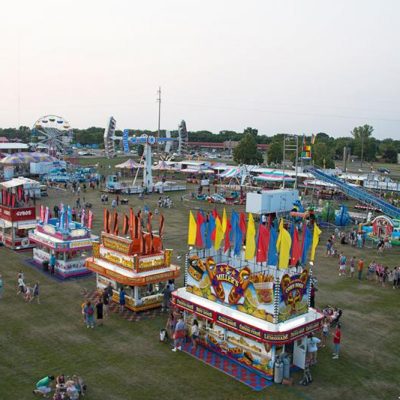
362,147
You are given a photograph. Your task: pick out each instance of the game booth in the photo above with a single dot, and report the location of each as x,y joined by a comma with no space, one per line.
252,302
17,213
135,261
69,241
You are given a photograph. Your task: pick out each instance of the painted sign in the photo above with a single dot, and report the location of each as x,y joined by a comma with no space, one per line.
293,295
116,243
150,262
251,293
80,243
116,258
17,214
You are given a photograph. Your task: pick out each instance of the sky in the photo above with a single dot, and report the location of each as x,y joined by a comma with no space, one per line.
293,66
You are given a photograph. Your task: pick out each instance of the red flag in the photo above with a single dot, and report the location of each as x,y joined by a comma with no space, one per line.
296,248
149,218
242,225
125,226
262,243
227,241
115,224
106,218
215,215
90,220
161,226
13,200
199,237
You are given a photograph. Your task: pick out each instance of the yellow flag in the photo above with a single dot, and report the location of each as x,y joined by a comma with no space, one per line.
283,244
192,230
219,233
315,241
250,239
224,221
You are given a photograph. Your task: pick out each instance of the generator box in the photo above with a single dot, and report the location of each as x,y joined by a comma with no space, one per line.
271,201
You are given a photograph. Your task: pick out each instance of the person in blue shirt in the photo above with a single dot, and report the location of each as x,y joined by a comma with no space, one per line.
122,299
312,348
52,263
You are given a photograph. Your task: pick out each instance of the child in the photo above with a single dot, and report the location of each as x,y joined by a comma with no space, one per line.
325,331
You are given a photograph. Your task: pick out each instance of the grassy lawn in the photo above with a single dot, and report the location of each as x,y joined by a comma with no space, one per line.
124,360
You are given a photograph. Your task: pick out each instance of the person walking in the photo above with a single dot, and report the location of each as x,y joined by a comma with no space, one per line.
21,284
99,311
106,302
325,331
36,292
52,263
352,266
342,264
166,298
360,267
179,334
122,300
89,315
312,348
195,333
336,342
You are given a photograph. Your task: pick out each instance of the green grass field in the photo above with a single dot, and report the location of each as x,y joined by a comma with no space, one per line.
124,360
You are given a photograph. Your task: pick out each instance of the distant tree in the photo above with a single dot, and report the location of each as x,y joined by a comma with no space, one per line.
362,135
322,137
275,152
389,154
250,130
323,155
246,151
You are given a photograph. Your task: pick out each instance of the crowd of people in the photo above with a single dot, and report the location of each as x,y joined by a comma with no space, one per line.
65,388
29,293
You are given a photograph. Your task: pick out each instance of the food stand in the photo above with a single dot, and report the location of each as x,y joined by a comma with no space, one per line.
69,241
136,262
249,311
17,214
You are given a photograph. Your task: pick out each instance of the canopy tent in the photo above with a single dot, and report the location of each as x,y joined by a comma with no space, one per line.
230,173
274,178
18,182
164,166
26,158
129,164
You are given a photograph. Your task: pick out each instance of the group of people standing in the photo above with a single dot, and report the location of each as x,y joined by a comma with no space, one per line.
28,293
94,313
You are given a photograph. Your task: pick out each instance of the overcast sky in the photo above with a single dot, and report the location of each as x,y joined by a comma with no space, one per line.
297,66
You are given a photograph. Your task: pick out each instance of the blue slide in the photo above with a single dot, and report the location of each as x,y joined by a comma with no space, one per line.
357,193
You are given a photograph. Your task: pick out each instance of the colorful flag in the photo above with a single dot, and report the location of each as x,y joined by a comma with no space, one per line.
296,249
216,216
283,245
272,253
209,231
315,241
262,243
192,230
199,229
250,239
227,241
219,233
90,219
125,225
238,235
307,239
161,225
224,220
242,225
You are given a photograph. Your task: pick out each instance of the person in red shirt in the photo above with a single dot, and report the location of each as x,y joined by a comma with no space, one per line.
336,342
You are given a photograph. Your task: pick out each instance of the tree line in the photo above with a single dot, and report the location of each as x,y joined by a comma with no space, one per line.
326,149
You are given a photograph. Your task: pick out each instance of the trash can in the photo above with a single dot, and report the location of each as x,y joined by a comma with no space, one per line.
286,366
278,371
45,265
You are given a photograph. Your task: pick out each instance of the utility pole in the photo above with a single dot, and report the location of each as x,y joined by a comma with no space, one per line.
159,109
362,147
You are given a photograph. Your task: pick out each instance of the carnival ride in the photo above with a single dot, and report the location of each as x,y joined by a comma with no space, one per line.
383,227
53,134
358,193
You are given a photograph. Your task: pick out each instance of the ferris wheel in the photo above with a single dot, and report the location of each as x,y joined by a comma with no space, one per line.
52,133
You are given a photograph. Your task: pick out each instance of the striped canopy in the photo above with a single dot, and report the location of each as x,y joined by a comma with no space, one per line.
26,158
129,164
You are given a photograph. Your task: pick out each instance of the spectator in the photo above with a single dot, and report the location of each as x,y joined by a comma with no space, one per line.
195,333
114,203
44,386
106,302
342,264
99,311
89,315
179,334
360,267
36,292
325,331
52,263
21,284
312,348
352,266
336,342
121,300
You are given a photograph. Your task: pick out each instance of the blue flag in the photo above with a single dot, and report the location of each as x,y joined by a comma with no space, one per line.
209,230
272,252
307,240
